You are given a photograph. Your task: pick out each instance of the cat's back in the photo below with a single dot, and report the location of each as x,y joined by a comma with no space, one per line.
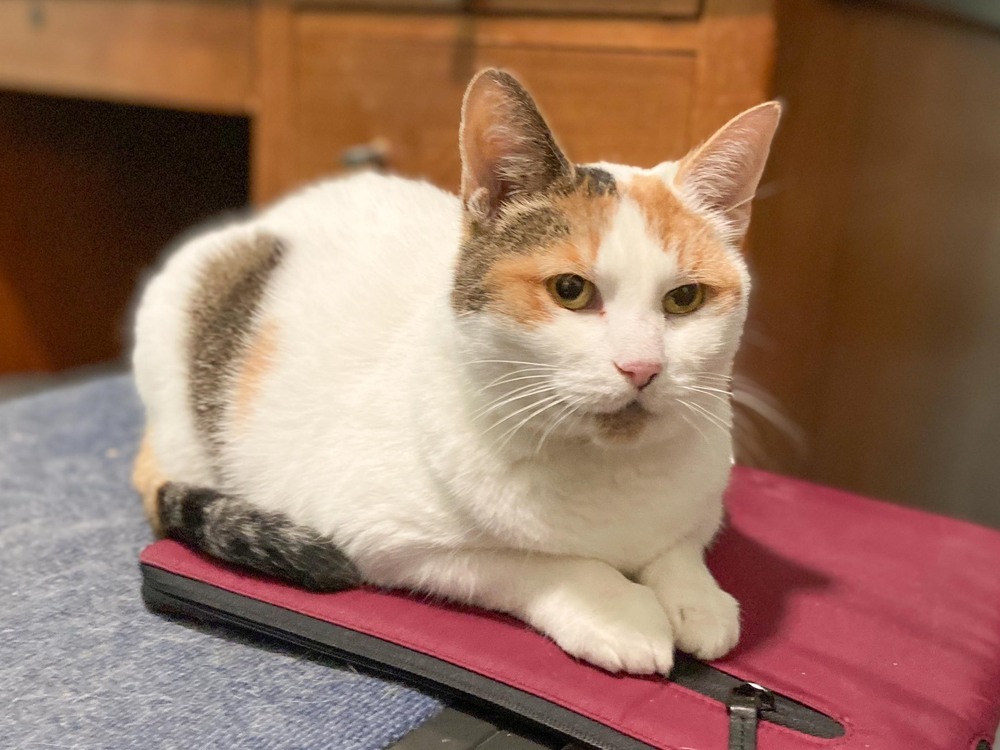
361,258
373,232
350,254
318,282
368,217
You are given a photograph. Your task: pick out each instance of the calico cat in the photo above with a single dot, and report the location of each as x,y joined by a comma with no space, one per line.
515,398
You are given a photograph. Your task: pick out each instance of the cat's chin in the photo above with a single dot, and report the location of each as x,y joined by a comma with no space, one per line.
622,427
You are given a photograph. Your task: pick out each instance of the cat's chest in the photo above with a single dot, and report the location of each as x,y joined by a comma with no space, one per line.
621,512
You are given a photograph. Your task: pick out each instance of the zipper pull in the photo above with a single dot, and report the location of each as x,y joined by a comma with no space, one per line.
745,704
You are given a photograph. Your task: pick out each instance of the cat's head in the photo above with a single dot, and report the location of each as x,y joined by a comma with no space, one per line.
594,301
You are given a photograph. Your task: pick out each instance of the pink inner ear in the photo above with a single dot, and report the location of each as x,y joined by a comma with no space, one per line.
724,173
507,148
480,153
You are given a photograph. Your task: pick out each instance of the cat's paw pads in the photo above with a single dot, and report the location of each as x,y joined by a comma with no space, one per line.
628,632
706,622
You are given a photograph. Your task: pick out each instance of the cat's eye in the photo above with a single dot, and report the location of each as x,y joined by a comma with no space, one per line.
571,291
684,299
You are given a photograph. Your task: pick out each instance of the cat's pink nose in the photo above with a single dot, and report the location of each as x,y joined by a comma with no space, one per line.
640,373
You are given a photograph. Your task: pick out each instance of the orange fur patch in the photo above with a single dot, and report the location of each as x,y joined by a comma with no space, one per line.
700,252
516,283
590,217
256,362
147,479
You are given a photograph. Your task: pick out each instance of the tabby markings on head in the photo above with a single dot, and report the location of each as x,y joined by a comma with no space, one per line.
223,326
594,181
503,263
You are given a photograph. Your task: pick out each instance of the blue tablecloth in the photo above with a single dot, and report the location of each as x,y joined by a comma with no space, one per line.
84,665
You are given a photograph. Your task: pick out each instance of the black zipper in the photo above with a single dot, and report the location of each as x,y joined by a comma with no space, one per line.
775,709
746,705
173,593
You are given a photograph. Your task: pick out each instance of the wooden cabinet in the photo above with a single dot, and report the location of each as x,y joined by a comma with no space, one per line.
399,86
636,90
184,54
637,81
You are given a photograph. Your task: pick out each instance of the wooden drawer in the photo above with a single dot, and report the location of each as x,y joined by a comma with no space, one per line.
360,78
665,8
185,54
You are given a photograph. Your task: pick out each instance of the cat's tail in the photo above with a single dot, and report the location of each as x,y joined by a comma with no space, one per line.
233,530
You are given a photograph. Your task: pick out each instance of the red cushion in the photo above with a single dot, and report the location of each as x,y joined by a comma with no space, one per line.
887,619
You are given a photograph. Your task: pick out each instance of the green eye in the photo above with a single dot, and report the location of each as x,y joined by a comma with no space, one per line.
570,291
684,299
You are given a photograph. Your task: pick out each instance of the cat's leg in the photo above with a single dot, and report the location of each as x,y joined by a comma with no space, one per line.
587,607
705,619
147,478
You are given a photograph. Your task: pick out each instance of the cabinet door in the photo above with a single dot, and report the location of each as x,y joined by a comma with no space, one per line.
361,79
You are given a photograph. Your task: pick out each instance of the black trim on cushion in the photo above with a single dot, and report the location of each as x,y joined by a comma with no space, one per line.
174,594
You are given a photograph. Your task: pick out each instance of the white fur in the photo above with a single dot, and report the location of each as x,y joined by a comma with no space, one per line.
365,427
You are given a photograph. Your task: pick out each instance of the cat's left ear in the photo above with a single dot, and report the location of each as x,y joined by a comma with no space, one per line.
722,174
507,148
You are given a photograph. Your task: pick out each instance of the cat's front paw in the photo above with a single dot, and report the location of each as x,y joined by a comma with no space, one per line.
706,620
625,630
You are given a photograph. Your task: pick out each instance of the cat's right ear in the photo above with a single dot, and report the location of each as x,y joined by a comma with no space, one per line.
507,148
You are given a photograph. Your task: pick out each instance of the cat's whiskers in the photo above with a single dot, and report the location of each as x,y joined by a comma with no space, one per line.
526,391
695,426
715,393
523,409
750,404
754,401
711,378
568,410
748,443
704,415
711,416
709,389
515,376
543,406
509,362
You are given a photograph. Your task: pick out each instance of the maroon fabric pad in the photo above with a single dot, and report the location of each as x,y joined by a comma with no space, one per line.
885,618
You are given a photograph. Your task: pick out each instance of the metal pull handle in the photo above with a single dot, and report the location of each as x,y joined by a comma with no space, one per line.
372,155
745,704
36,15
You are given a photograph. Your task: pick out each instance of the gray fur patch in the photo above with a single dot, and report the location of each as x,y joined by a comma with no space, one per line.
513,233
595,181
222,315
527,225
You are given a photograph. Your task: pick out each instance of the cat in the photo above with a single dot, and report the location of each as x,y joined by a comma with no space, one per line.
515,398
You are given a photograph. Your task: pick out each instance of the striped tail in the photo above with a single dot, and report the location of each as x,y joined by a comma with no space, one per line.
233,530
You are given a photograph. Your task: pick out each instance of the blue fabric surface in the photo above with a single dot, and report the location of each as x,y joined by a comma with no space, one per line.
84,665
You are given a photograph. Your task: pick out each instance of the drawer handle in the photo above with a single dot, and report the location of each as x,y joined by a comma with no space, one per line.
372,155
36,15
